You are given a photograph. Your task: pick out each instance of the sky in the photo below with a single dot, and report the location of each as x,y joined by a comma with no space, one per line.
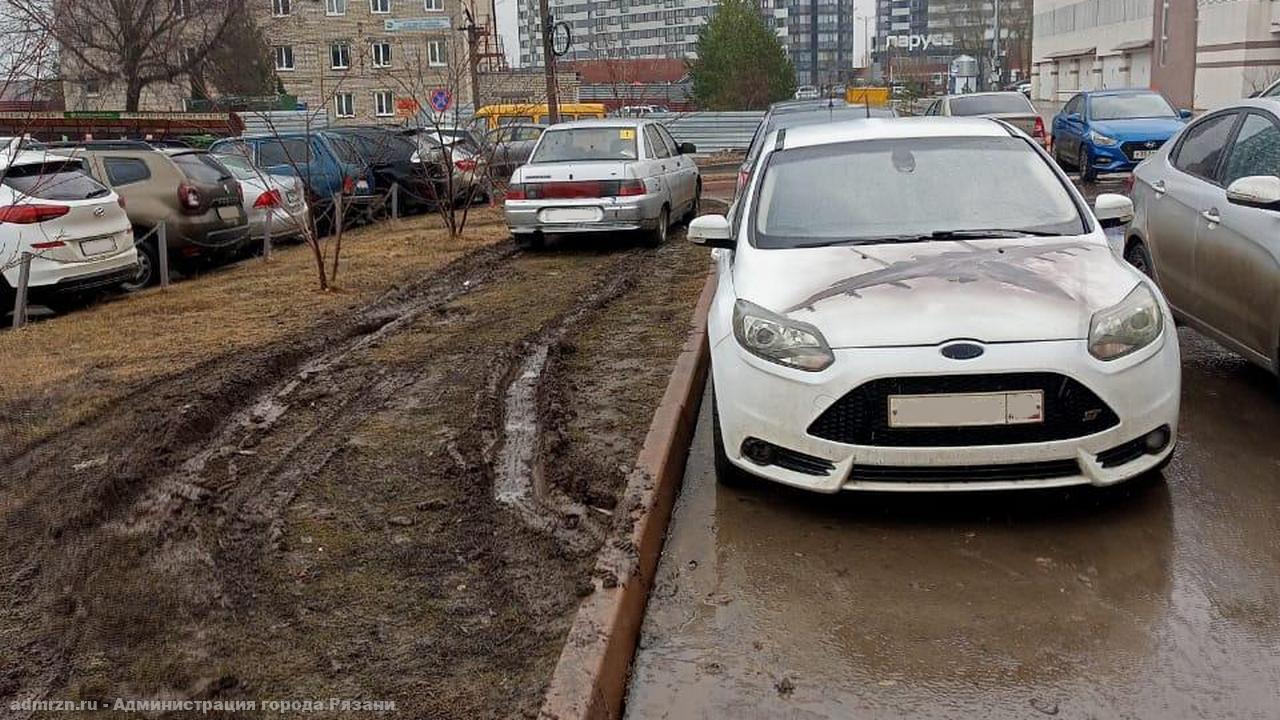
508,28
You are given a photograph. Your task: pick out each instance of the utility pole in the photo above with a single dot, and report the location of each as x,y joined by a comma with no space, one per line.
549,60
995,62
473,41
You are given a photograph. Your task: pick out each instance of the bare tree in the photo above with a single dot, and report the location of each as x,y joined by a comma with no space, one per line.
133,43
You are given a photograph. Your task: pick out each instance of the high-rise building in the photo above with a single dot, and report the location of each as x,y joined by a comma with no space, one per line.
818,36
603,29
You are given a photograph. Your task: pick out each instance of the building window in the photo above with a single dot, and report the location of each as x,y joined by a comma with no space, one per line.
335,7
380,6
433,5
284,57
180,8
382,54
435,53
92,87
280,8
344,105
340,56
383,104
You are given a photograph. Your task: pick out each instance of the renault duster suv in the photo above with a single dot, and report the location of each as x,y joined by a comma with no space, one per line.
190,191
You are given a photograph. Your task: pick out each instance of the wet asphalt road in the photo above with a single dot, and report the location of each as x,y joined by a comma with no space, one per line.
1151,601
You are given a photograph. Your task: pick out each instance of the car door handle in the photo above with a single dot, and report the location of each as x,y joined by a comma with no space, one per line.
1212,216
1158,187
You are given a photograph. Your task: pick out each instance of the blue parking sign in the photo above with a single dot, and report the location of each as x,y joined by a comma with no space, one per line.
440,99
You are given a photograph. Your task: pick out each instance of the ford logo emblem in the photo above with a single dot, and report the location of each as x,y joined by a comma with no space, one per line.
962,351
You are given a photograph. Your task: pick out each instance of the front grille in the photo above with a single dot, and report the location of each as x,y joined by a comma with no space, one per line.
1129,148
965,473
1071,410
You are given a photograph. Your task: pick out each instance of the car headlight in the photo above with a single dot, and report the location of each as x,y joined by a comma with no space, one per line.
1098,138
1130,325
780,340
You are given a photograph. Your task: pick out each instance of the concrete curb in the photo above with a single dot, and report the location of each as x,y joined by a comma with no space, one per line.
590,679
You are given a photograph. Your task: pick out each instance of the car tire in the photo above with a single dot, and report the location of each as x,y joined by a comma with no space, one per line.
696,205
727,474
1087,173
658,235
1136,255
148,265
7,297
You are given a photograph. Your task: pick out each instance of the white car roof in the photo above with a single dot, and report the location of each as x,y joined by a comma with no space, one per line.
1262,103
30,157
889,128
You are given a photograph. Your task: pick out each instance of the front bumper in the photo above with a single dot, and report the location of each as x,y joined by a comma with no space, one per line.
757,399
1120,157
640,212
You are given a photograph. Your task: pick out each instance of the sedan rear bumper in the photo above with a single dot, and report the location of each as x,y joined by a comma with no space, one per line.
640,212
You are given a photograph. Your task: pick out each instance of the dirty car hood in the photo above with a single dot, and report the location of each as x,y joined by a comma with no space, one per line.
1028,289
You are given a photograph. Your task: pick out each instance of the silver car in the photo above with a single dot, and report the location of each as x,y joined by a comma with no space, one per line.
603,176
278,200
1207,227
1012,107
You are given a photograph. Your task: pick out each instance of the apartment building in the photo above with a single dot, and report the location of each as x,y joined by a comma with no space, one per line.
367,61
361,61
1201,54
603,29
818,36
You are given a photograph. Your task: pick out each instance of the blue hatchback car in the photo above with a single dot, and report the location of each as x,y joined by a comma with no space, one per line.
1107,131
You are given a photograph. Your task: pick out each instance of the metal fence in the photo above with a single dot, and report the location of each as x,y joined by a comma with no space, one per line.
712,131
284,121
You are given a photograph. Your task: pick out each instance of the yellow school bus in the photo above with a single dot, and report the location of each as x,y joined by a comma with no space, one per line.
496,115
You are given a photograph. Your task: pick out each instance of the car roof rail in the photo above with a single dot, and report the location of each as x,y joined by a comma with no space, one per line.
782,135
102,145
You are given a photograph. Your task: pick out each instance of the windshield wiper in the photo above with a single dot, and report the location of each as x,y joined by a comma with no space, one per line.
965,234
97,193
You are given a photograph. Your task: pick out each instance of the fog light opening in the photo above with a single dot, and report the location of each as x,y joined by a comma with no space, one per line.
757,451
1157,440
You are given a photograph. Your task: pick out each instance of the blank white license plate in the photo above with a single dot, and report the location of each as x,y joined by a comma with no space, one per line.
566,215
226,212
1143,154
97,246
964,410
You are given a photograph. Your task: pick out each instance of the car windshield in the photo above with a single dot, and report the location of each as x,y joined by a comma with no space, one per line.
201,167
586,143
910,189
240,167
52,180
990,104
1138,105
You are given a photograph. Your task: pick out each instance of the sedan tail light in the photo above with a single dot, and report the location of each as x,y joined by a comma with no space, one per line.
465,164
515,191
189,198
348,185
269,199
48,245
31,214
1038,130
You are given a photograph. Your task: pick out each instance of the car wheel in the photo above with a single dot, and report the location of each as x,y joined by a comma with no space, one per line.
1087,173
727,473
7,297
658,235
1136,255
148,267
696,205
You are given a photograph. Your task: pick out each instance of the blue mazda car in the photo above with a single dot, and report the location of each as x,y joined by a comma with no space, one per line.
1107,131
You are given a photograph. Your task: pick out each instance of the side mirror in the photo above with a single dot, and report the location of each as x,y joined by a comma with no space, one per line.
1255,191
711,231
687,148
1113,210
1184,113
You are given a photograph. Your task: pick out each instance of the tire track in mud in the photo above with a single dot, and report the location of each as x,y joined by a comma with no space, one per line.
49,559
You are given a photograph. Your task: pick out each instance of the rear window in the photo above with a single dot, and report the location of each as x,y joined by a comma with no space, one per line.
240,167
286,151
991,104
384,147
201,167
909,187
62,180
585,144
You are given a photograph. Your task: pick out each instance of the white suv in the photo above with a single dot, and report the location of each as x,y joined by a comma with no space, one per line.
75,228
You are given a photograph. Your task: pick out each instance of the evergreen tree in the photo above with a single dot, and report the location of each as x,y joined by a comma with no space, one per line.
741,65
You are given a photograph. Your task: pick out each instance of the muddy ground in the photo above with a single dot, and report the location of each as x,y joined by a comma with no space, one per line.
397,502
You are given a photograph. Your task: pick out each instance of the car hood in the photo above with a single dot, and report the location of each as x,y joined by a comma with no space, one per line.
1138,128
1028,289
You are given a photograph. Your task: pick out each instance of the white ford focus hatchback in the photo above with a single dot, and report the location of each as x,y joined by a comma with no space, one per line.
928,304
